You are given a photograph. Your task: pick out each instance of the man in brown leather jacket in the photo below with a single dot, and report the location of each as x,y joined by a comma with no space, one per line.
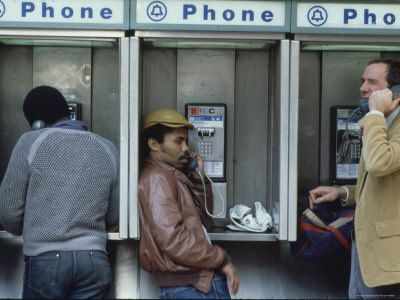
174,244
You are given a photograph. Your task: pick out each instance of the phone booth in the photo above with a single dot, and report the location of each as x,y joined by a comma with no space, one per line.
81,49
333,42
225,65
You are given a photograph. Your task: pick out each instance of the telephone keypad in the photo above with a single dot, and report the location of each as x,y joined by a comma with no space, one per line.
355,151
206,148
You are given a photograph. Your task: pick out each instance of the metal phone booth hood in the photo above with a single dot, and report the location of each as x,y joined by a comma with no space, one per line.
78,47
234,54
333,42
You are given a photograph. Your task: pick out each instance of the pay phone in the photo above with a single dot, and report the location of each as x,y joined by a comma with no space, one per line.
345,144
74,108
208,136
209,139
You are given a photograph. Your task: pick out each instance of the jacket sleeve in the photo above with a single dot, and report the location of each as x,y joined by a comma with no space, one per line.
163,216
198,197
14,187
380,154
351,199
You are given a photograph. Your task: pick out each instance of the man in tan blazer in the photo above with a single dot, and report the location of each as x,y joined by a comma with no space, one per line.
375,264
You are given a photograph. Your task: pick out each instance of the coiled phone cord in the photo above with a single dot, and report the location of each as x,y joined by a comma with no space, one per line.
205,195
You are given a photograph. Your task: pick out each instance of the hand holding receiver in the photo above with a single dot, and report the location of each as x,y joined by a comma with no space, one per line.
382,101
230,271
326,194
364,104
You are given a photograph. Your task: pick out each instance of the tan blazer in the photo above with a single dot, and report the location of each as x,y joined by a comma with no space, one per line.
377,199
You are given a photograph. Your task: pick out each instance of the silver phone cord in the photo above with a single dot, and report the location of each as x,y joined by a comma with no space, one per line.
205,195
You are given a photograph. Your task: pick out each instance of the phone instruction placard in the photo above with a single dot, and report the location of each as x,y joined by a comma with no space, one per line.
347,171
207,121
208,136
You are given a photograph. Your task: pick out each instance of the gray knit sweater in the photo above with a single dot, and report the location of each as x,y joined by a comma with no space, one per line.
60,189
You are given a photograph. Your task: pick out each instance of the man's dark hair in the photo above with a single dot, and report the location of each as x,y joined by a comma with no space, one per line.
156,132
45,103
393,76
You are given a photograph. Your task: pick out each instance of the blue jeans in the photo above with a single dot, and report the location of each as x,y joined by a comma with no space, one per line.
219,290
357,287
67,274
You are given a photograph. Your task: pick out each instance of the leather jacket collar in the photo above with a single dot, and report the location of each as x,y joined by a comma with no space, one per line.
177,173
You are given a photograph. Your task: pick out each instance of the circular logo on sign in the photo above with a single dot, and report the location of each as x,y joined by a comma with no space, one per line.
317,16
156,11
2,8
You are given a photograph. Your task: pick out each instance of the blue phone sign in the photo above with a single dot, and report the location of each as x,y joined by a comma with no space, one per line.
156,11
317,16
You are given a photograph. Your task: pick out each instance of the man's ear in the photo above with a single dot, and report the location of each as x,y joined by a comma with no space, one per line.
153,144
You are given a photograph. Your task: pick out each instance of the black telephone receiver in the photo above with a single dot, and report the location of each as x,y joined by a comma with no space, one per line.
192,164
363,104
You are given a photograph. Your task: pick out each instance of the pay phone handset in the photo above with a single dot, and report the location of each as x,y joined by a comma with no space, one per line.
74,108
192,165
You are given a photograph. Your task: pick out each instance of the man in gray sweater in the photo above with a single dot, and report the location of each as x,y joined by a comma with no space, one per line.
60,190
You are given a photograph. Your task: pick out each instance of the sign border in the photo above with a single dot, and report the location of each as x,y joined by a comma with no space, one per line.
71,25
340,30
198,27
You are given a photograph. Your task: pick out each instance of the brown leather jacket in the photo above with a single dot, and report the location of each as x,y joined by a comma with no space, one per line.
172,242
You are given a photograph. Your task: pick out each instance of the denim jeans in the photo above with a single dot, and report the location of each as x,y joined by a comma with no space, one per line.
67,274
219,290
357,287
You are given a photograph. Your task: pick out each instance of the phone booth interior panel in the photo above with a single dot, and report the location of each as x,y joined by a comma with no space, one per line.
15,70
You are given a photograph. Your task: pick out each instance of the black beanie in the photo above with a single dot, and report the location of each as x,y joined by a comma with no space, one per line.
45,103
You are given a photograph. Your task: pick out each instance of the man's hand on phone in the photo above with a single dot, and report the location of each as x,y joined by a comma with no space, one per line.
382,101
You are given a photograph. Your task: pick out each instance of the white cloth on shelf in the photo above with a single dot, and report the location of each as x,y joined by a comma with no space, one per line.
243,220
